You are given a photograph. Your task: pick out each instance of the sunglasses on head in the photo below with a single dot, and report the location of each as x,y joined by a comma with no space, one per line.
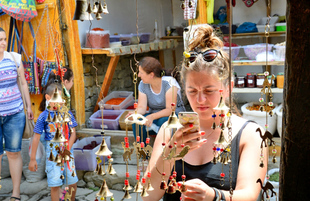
208,55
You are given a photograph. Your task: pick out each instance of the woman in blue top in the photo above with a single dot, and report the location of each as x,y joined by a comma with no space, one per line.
12,116
157,92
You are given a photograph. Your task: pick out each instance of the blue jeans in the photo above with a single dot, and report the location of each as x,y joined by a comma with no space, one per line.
11,130
53,172
157,122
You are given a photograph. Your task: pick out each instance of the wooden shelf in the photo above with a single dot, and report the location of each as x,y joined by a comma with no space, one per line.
256,63
131,49
255,90
258,35
238,36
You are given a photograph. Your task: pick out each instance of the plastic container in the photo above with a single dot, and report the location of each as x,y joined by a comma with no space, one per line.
135,39
280,26
234,51
145,37
280,80
279,111
121,120
128,95
114,38
110,119
261,24
86,159
279,52
97,39
125,37
252,50
115,44
260,117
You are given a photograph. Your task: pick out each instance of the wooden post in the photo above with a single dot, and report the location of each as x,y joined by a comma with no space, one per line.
107,79
295,157
74,53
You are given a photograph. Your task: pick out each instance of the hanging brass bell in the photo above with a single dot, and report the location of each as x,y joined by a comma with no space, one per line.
261,164
271,113
173,121
59,117
100,8
274,159
110,169
104,191
182,6
58,159
66,118
80,12
66,158
149,186
127,195
228,125
95,8
62,176
221,140
127,187
49,117
73,174
89,9
55,119
190,4
56,98
171,189
105,9
213,126
103,150
51,157
144,193
163,185
221,105
101,171
59,164
98,16
138,187
97,168
222,126
58,137
183,188
214,160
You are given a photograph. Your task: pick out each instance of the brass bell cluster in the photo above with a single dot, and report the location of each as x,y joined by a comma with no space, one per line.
84,10
104,151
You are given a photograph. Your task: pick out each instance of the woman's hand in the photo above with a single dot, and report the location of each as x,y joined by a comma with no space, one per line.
149,121
29,113
33,166
198,190
184,137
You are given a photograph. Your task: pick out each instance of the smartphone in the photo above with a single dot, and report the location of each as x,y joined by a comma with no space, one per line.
189,117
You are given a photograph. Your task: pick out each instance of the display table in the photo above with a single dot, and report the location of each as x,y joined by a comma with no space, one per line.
116,52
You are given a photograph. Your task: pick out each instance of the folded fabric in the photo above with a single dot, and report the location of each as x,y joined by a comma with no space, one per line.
247,27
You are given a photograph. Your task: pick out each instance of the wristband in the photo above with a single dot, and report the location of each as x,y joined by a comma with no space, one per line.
217,196
222,195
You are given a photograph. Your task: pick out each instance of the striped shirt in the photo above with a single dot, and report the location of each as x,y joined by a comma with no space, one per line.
157,102
11,101
49,127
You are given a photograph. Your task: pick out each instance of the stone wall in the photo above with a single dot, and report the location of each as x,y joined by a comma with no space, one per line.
122,78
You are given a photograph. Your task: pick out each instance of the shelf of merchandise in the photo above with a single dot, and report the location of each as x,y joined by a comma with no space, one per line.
254,90
240,35
256,63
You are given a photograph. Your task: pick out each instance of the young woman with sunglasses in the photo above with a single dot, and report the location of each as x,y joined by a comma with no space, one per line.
157,90
206,79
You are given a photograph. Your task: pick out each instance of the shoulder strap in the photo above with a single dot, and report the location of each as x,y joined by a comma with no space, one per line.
19,82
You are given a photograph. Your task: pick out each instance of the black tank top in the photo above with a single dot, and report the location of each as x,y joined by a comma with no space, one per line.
209,172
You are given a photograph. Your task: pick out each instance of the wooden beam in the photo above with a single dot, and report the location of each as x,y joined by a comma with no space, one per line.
74,53
161,56
107,80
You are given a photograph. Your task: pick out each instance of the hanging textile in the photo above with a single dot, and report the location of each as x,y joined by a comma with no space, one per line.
1,12
190,11
23,10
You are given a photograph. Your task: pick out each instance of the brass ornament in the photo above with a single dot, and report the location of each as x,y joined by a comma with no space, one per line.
221,105
80,12
173,121
104,190
56,98
138,187
103,150
98,16
144,192
126,195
